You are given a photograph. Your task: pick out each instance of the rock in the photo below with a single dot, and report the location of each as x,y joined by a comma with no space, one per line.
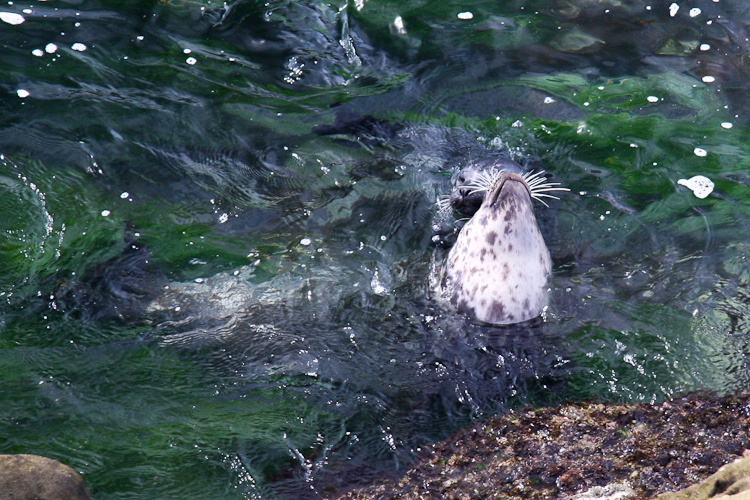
594,450
31,477
614,491
731,482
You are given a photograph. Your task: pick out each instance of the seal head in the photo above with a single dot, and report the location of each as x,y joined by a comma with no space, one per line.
498,268
465,197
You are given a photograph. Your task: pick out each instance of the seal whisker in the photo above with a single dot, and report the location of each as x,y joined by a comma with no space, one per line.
480,189
530,174
477,184
484,181
542,183
537,178
487,179
538,197
539,185
444,202
548,187
534,177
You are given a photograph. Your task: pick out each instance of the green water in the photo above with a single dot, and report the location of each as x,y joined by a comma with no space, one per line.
202,297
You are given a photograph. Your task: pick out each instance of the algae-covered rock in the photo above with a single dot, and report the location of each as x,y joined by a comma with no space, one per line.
31,477
731,482
586,450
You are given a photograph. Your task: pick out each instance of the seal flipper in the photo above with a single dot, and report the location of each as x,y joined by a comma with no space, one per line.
119,289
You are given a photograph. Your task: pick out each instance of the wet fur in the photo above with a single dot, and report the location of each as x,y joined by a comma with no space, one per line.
498,269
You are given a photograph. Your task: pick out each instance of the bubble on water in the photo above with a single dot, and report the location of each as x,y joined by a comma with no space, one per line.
673,9
105,213
652,98
465,15
708,79
726,124
377,286
704,47
124,195
700,185
80,47
305,242
549,100
186,51
22,93
50,48
38,52
11,18
398,25
700,152
380,282
694,12
191,60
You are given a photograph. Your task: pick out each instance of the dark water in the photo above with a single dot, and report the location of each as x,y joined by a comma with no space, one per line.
202,297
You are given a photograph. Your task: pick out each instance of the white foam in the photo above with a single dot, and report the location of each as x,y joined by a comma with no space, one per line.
700,185
11,18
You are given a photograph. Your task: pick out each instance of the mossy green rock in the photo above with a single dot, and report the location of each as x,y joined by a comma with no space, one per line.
31,477
731,482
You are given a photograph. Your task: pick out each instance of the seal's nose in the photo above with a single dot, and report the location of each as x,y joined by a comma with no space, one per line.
465,201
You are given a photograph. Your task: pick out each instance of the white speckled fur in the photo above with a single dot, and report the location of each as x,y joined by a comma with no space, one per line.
498,269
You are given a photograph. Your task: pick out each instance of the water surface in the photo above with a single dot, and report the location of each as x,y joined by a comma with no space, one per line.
205,297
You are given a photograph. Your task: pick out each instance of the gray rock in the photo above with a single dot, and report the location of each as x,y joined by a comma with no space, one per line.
31,477
614,491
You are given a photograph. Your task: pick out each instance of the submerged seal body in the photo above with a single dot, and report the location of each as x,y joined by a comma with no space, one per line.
499,266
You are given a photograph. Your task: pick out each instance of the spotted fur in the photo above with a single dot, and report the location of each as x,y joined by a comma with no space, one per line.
498,269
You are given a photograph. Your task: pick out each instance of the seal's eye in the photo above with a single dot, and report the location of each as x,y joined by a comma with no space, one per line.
461,178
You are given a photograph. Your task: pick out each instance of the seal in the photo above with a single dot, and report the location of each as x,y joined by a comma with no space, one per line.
499,266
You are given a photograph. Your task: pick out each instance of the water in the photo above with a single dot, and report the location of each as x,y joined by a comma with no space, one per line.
202,297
